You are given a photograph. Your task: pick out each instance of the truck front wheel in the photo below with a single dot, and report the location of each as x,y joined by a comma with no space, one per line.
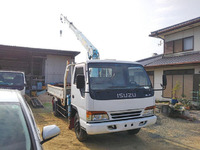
80,133
134,131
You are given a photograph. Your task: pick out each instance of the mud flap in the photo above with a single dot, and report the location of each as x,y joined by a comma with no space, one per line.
71,123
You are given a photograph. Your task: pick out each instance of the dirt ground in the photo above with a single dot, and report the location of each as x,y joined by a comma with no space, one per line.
166,134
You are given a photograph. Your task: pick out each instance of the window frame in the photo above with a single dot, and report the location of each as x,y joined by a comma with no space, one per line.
192,43
171,44
175,43
168,46
75,73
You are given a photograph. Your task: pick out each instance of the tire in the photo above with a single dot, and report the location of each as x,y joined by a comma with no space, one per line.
55,110
134,131
80,133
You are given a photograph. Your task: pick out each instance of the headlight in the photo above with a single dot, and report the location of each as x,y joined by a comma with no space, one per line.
149,111
97,116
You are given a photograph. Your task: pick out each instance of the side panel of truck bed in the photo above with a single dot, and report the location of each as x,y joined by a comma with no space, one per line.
55,91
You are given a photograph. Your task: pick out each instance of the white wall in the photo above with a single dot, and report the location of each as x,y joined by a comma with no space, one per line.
187,33
55,68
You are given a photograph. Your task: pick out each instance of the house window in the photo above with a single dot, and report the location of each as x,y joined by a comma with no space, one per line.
184,78
188,43
169,47
179,45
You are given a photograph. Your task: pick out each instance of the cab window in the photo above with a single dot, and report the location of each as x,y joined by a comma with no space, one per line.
78,71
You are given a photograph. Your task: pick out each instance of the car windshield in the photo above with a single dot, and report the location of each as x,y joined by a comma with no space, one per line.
117,76
14,133
11,79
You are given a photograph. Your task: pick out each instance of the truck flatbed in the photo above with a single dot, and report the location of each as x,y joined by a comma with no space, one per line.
57,91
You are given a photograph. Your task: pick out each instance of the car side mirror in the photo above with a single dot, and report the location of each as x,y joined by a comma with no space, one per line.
49,132
80,81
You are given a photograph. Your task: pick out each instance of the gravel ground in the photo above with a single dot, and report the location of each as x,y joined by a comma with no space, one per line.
166,134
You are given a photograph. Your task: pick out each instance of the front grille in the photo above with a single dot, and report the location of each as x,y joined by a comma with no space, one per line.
126,114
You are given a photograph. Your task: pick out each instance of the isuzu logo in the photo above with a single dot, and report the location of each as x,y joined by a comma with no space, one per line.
126,95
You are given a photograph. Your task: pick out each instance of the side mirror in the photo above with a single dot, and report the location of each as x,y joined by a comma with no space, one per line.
164,81
49,132
80,81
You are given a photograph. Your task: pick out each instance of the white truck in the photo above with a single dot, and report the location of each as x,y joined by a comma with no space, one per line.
13,80
104,95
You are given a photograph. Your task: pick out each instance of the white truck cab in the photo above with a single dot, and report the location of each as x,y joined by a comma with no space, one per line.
13,80
106,96
116,96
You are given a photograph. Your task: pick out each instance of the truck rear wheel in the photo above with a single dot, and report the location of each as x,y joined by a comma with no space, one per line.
133,131
80,133
55,110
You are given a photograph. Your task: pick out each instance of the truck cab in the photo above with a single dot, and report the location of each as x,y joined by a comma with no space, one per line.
111,96
13,80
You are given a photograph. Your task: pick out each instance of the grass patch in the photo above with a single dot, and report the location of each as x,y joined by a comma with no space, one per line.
47,108
47,105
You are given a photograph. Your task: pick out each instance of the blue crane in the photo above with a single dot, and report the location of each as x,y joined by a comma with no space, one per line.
93,53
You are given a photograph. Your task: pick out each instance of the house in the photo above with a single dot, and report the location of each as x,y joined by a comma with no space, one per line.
180,61
40,65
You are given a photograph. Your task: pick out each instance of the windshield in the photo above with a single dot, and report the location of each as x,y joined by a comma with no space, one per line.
117,76
12,79
14,133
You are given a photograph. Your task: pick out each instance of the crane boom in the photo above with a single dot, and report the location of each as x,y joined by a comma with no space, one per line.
91,50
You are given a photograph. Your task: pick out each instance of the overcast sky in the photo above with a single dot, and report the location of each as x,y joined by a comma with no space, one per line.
119,29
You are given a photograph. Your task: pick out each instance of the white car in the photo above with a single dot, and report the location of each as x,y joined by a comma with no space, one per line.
18,130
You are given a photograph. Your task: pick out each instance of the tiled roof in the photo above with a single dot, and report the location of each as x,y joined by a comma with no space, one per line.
149,60
173,59
177,27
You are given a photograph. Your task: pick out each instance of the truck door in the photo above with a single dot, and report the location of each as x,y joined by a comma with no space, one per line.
78,95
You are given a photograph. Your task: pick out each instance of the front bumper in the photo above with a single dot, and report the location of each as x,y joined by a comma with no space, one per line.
116,126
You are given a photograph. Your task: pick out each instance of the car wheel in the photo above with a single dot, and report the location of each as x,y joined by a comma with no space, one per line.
134,131
80,133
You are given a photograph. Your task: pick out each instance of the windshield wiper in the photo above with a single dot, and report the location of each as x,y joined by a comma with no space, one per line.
117,87
4,85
